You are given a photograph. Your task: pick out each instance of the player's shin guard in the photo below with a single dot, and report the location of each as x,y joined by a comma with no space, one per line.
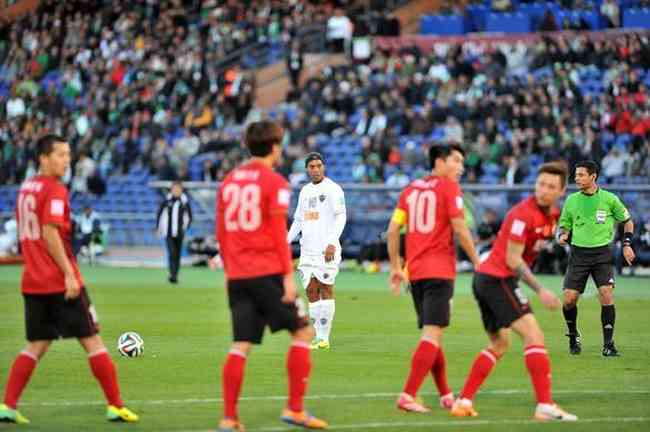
104,371
328,308
481,368
539,369
232,377
570,313
421,363
298,368
608,319
439,372
21,371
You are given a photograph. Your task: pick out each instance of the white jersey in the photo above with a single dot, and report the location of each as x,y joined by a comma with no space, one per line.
320,216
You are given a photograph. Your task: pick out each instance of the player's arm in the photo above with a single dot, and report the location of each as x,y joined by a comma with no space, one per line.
515,261
465,239
340,218
221,233
392,238
190,217
56,250
622,215
280,197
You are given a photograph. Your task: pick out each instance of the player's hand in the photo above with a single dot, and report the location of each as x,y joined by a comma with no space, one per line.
72,287
563,239
628,254
289,289
396,278
215,263
549,299
329,253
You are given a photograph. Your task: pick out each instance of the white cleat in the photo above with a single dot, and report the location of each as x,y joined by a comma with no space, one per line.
407,403
550,412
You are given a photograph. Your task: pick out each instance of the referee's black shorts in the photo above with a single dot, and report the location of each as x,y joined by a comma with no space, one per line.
51,316
257,302
584,262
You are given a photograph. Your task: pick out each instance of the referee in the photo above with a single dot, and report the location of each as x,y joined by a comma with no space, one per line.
587,223
174,218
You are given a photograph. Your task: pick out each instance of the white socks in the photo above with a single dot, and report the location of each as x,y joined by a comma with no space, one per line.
327,308
321,314
314,315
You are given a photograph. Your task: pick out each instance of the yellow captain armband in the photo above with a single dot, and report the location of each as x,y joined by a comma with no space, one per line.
399,216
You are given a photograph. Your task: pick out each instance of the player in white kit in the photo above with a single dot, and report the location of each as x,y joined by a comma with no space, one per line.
320,217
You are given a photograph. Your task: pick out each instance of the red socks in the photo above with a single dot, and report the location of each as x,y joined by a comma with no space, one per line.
439,372
539,369
232,378
21,371
103,369
481,368
298,368
422,362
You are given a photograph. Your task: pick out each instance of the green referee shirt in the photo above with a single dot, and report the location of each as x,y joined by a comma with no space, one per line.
591,217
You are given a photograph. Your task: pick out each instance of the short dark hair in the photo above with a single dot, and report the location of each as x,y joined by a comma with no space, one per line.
442,151
45,144
261,136
557,168
591,166
312,157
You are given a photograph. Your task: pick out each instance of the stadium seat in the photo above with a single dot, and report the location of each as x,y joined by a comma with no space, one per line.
636,18
517,22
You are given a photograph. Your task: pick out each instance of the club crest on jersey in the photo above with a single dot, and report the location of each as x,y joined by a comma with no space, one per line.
321,198
312,202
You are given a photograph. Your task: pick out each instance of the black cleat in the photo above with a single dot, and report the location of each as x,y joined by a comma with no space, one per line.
575,343
609,350
173,280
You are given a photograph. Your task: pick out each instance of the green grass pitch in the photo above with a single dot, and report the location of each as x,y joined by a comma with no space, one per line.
175,386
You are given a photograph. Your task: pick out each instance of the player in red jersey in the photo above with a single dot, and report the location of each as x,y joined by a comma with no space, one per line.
432,210
252,205
56,302
525,231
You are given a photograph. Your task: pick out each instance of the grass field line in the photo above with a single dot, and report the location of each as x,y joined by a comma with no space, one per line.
319,397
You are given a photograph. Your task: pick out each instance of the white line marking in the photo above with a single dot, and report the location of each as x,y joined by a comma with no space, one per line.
319,397
463,423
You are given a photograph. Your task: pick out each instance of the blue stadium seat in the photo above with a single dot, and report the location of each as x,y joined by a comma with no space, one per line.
636,18
442,24
517,22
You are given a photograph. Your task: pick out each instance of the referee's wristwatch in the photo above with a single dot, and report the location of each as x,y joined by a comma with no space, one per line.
627,239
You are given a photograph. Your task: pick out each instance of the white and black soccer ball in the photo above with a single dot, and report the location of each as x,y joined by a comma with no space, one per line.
130,344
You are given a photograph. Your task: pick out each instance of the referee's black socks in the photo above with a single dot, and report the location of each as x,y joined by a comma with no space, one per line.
608,318
571,318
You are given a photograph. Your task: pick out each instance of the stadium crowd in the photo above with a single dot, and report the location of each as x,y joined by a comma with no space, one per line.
512,108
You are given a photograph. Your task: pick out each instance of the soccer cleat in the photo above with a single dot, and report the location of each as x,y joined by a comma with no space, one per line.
10,415
609,350
447,401
230,425
548,412
463,408
314,344
407,403
115,414
324,345
575,343
302,419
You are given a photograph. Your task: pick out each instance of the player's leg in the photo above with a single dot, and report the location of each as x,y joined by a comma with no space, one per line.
328,308
315,306
439,373
539,368
19,375
575,282
248,328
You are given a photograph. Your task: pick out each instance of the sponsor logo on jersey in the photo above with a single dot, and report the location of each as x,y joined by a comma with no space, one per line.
321,198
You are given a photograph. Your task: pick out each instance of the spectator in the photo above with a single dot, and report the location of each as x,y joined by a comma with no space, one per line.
614,164
610,10
90,231
339,31
294,63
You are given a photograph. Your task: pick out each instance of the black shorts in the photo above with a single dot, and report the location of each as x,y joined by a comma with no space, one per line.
256,303
583,262
432,298
51,316
500,300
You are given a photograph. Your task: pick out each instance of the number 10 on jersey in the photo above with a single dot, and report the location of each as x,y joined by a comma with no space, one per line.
422,211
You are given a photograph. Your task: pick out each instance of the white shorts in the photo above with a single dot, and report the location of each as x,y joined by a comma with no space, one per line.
315,266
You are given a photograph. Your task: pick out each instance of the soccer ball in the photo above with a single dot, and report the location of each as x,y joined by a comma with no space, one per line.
130,344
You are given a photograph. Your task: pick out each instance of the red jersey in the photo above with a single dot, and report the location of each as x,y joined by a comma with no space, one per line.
525,223
43,200
427,206
252,205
